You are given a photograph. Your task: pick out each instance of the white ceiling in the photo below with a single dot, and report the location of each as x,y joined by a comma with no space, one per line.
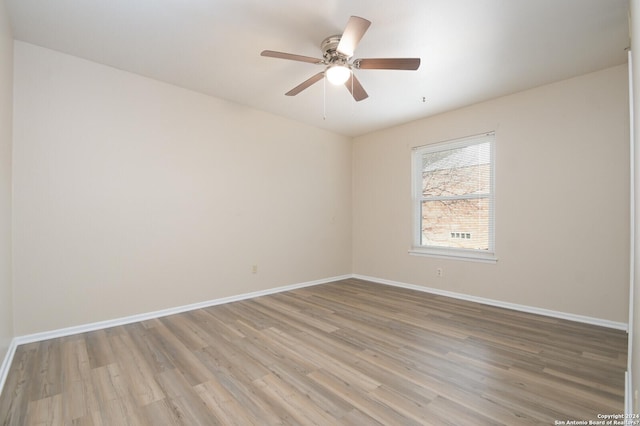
471,50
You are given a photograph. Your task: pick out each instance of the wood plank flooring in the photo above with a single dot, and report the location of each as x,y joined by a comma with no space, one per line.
350,352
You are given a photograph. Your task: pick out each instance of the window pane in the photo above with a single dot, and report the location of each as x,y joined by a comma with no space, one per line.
456,223
458,171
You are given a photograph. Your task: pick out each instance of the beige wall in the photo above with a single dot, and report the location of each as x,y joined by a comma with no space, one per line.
562,199
132,195
6,107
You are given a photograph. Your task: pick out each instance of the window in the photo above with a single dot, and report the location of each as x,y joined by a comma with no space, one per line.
453,198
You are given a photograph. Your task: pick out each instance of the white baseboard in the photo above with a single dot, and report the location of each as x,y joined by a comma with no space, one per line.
6,363
37,337
498,303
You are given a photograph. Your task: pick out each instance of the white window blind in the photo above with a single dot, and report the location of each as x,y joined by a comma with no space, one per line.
454,198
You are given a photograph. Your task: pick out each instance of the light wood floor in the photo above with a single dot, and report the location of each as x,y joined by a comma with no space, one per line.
350,352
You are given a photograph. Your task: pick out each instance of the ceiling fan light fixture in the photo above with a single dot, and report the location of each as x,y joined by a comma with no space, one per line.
337,51
338,74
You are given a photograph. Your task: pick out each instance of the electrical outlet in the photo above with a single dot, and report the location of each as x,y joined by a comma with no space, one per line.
439,272
254,269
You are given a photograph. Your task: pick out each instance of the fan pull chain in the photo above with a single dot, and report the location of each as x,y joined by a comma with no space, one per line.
324,98
352,103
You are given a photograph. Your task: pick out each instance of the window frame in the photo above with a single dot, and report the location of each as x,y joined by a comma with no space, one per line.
417,198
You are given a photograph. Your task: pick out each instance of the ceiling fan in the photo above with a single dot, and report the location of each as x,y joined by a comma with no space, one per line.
337,51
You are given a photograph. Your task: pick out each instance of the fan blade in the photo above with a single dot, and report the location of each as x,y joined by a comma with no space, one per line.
300,87
290,56
388,64
353,32
355,88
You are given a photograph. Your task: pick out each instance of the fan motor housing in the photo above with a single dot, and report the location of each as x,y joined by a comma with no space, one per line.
330,53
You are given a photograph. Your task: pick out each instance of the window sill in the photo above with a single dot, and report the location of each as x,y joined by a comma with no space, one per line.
468,255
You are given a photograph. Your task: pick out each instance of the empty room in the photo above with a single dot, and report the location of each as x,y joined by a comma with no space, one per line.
223,212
